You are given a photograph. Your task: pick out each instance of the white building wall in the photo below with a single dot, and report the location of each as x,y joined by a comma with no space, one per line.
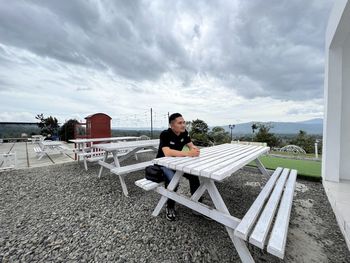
336,132
344,172
332,121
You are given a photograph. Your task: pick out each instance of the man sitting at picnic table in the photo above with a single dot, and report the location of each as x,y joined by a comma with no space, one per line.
172,142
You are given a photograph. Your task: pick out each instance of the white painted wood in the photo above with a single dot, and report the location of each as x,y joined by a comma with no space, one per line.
261,167
209,161
89,154
172,162
254,211
126,145
108,139
8,160
241,248
199,192
94,159
208,168
106,165
130,168
259,234
173,183
223,218
227,171
278,238
146,184
124,188
219,204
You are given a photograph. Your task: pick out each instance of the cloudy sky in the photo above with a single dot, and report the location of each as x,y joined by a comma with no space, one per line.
220,61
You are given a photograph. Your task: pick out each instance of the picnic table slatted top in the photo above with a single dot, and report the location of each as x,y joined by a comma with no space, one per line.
85,140
217,162
126,145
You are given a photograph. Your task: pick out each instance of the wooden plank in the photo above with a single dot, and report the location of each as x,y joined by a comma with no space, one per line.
173,161
106,165
226,171
207,161
206,169
146,184
202,158
278,238
218,216
126,145
251,216
259,235
94,159
203,155
130,168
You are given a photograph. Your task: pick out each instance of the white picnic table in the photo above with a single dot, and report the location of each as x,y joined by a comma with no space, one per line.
215,164
83,147
51,144
51,147
37,138
81,143
115,148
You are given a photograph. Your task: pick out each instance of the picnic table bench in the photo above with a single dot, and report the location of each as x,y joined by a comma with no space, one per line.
115,148
217,163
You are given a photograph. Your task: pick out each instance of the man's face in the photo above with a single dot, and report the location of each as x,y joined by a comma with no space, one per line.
178,125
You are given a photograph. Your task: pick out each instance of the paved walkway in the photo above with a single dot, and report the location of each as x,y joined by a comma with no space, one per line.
26,157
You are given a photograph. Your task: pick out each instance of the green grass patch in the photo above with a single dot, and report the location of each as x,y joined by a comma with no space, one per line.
306,169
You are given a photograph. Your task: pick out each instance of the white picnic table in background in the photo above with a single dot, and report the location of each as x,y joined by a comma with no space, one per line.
115,148
51,147
215,164
83,147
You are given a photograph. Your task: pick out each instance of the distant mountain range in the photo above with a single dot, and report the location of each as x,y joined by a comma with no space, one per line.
313,126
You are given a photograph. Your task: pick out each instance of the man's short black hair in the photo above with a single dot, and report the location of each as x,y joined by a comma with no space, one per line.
174,116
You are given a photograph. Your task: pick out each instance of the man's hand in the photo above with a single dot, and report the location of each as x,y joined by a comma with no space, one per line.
194,152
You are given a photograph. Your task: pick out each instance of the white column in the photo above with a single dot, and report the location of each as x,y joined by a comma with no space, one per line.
332,121
344,172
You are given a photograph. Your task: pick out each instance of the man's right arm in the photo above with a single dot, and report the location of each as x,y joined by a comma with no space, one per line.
194,152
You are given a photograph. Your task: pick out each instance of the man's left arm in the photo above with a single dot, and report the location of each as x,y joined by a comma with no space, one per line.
191,146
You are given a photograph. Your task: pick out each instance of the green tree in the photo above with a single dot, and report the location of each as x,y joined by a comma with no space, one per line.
47,125
67,130
264,135
304,141
199,133
254,127
219,136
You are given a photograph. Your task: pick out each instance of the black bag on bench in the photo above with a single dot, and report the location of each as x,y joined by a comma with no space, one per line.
154,173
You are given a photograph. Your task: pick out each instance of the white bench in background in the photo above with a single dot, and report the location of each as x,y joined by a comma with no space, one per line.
122,171
256,225
39,152
8,160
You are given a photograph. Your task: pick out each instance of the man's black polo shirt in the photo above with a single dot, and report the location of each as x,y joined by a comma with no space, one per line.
169,139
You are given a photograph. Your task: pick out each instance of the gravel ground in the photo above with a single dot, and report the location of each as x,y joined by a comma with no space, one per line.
62,213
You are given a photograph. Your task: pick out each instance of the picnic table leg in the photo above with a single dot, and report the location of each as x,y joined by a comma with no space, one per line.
173,183
121,177
200,191
261,167
101,168
219,204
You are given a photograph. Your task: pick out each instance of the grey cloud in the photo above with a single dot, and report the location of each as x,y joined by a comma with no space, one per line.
297,111
277,45
258,48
